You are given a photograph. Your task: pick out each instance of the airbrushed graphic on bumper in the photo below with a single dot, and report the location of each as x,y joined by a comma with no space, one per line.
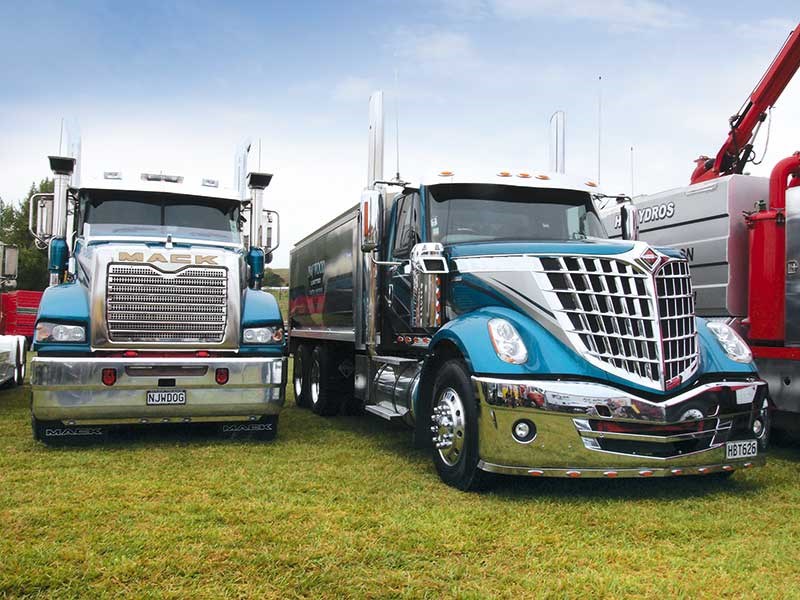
71,389
585,429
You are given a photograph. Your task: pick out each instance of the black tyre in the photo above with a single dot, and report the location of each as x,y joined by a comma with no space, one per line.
454,425
55,433
324,392
300,376
265,429
23,363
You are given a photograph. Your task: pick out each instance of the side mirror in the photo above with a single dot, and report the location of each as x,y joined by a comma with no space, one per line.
270,231
371,211
10,262
428,262
629,221
41,214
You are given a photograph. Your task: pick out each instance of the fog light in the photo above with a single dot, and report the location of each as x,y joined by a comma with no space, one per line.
523,431
221,376
109,376
758,427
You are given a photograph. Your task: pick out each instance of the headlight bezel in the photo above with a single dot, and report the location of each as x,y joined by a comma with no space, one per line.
734,346
263,335
52,332
507,342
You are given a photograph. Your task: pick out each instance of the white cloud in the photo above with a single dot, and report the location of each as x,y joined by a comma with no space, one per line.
619,14
434,48
764,29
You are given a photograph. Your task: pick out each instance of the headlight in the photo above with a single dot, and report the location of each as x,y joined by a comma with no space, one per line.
506,342
735,347
263,335
53,332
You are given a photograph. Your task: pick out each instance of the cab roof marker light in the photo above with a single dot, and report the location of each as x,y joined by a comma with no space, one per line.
524,175
543,177
116,175
504,174
214,183
162,177
591,184
445,174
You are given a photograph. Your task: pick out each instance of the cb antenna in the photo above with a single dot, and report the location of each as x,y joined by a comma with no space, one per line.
599,124
397,124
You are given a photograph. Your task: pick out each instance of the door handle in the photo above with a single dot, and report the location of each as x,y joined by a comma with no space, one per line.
389,295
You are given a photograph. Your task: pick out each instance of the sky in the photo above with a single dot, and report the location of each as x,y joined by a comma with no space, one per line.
177,86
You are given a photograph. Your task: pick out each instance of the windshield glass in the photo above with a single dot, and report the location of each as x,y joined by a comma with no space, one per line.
148,210
461,213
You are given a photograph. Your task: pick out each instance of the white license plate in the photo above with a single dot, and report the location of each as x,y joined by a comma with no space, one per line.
164,397
743,449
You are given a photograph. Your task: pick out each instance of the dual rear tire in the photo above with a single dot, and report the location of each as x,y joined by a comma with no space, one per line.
322,378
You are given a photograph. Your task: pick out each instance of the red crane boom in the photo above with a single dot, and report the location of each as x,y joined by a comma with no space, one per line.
738,148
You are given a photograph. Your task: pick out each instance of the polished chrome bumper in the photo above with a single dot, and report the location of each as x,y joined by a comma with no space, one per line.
586,429
72,390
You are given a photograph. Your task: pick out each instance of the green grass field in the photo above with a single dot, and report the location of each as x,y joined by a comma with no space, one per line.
344,507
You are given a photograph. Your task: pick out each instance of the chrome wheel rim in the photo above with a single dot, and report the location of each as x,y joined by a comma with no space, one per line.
449,426
298,375
314,381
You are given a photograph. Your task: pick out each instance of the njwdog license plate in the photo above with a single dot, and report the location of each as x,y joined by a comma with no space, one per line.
743,449
170,397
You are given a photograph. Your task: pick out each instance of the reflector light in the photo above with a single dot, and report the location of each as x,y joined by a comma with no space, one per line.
504,174
610,474
130,353
535,473
591,184
573,474
524,175
727,468
446,174
703,470
109,376
202,354
543,177
221,376
677,471
646,473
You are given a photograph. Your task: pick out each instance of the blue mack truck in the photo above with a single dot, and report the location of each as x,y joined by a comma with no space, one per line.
154,312
492,314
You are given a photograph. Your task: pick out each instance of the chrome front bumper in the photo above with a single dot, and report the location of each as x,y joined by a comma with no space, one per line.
585,429
71,389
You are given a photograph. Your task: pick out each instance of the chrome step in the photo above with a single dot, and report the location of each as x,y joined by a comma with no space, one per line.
384,412
394,360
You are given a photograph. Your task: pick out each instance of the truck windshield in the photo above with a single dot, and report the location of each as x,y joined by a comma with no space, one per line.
114,207
461,213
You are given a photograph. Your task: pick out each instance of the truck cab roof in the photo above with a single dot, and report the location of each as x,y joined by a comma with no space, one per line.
520,178
139,184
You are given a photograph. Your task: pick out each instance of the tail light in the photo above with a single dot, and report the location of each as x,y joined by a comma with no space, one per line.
221,376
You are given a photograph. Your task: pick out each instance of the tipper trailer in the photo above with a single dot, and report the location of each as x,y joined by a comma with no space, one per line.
154,313
493,315
741,236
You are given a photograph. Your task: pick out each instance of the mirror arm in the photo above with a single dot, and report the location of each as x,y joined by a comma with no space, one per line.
386,263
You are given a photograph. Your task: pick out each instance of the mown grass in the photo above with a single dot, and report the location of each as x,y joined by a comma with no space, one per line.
344,507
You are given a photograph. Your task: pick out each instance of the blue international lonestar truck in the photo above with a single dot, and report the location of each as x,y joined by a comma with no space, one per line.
492,314
154,312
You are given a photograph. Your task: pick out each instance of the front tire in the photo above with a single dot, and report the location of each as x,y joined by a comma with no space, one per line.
454,425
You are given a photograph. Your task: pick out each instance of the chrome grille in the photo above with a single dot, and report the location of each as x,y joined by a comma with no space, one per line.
144,304
615,313
676,314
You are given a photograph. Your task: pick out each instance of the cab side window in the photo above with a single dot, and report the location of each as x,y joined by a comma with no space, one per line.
408,226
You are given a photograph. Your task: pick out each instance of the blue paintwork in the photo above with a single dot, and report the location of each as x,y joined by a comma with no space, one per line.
66,303
255,260
259,308
58,256
601,247
548,356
